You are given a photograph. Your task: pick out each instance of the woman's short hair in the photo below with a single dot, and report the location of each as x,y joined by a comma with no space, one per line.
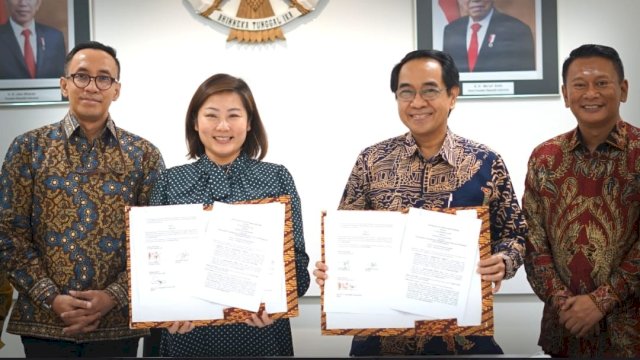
255,145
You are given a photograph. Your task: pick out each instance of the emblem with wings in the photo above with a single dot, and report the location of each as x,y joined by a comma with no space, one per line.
255,20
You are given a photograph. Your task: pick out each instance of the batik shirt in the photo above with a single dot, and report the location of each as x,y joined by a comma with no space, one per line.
6,296
204,182
583,209
393,175
62,203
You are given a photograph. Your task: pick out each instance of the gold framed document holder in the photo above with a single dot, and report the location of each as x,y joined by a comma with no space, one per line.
236,315
443,327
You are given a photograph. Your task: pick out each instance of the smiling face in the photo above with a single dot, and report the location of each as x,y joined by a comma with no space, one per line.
222,126
594,92
90,104
427,120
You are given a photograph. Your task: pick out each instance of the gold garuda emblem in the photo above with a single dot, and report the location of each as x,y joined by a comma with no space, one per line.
255,20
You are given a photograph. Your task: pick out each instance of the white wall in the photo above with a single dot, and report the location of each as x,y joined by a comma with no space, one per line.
323,95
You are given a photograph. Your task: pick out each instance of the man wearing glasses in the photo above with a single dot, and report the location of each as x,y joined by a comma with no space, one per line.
431,167
63,192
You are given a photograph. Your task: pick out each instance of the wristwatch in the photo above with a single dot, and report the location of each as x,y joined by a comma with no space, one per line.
48,302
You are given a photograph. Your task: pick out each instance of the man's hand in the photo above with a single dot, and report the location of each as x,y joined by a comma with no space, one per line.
81,311
99,299
65,303
493,269
580,315
77,314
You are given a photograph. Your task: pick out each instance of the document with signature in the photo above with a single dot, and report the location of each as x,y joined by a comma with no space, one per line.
359,252
164,241
190,264
390,269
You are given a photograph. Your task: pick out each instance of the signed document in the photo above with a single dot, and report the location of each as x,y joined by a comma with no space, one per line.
164,243
390,269
190,264
358,245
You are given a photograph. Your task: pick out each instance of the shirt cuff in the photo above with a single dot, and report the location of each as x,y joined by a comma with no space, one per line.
509,266
44,290
605,299
118,294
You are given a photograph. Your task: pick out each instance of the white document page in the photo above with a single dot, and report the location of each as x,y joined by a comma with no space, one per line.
473,311
361,253
274,294
237,253
163,241
437,260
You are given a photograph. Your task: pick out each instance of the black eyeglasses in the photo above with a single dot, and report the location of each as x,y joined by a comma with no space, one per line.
103,82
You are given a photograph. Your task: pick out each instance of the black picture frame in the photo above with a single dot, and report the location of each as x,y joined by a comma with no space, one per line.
541,82
46,91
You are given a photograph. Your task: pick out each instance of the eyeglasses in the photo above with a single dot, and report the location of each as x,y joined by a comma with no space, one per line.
103,82
428,93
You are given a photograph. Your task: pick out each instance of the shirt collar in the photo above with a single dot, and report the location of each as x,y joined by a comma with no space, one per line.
70,124
446,152
617,137
449,145
237,166
17,28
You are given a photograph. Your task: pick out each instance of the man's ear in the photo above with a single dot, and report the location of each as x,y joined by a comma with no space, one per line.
624,90
63,86
454,92
565,96
116,94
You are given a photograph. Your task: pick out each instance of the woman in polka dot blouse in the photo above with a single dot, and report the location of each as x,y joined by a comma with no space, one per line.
225,135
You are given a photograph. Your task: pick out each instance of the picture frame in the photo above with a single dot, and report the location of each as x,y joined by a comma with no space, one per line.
72,18
540,15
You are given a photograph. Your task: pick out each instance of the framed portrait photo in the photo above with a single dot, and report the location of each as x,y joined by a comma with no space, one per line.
502,48
35,36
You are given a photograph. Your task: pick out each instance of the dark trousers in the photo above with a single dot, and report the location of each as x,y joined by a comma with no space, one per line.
151,343
38,347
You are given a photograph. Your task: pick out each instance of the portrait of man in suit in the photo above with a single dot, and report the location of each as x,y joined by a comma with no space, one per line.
489,40
29,49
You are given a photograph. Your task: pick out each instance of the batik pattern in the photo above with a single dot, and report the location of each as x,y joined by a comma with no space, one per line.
583,209
62,201
393,175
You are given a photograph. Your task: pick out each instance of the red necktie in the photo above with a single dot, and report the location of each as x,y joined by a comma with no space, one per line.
29,59
472,53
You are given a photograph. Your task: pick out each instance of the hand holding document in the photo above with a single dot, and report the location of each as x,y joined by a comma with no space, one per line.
190,264
389,270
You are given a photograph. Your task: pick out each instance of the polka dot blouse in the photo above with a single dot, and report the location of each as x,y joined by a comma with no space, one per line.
204,182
